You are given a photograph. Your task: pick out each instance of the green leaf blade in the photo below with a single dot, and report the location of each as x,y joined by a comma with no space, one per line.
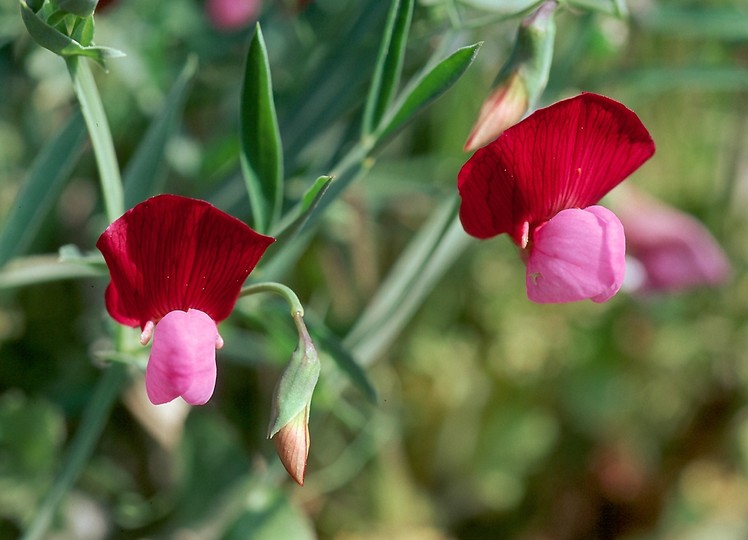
41,188
261,149
426,89
389,64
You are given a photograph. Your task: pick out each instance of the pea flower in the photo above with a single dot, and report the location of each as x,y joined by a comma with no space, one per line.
674,251
539,182
232,14
177,266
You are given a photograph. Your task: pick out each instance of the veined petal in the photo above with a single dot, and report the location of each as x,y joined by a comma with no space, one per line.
567,155
174,253
183,358
578,254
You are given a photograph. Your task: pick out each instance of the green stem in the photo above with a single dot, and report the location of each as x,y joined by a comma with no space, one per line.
91,426
101,138
279,289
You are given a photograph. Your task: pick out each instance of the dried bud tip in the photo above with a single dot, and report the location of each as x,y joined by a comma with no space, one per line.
292,446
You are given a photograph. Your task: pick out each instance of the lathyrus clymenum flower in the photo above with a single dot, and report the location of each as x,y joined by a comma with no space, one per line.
177,266
539,182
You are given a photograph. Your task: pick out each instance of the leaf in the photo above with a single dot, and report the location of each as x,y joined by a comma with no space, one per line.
261,150
342,357
431,252
294,221
426,89
81,8
83,32
142,174
44,268
52,39
41,188
389,64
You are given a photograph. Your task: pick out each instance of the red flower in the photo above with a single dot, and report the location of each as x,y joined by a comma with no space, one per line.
565,157
177,266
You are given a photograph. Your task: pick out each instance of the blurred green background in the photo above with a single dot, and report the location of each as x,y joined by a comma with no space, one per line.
494,417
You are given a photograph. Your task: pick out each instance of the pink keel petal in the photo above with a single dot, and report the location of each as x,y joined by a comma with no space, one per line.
578,254
183,358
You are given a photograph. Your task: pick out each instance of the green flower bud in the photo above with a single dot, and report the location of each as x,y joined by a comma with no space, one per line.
521,80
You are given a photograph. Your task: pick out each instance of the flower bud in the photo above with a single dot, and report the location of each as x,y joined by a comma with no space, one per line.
521,80
292,445
289,422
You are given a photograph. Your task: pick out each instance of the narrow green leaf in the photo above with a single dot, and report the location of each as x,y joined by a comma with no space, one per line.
426,89
432,251
143,175
27,271
52,39
41,188
261,150
389,64
81,8
294,221
342,357
83,32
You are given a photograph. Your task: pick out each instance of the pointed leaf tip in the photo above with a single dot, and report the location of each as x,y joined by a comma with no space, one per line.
261,148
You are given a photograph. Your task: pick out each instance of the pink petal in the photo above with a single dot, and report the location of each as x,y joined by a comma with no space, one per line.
174,253
578,254
503,108
232,14
567,155
183,358
675,250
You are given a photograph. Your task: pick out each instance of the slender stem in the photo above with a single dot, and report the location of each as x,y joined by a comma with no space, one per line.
92,424
101,138
279,289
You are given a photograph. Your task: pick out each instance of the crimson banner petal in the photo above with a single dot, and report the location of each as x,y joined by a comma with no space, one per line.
173,252
567,155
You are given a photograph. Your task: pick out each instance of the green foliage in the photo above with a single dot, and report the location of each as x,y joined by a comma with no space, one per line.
50,37
40,190
262,152
447,405
389,64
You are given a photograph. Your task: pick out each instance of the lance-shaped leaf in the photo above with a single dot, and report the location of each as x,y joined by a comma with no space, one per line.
261,150
294,220
41,188
52,39
81,8
389,64
426,89
142,177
